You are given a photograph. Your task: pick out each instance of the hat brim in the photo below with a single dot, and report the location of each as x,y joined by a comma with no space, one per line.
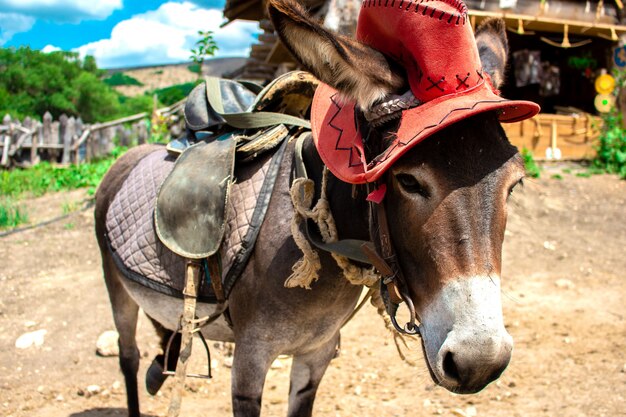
338,138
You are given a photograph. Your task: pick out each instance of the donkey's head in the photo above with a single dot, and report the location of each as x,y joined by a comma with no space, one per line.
446,196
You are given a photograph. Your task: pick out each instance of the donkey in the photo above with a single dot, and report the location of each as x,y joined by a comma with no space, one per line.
446,203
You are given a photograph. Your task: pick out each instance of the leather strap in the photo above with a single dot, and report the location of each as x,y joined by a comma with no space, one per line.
388,256
192,281
215,272
247,120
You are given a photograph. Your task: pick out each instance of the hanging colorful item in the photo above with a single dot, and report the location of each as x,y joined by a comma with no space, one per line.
604,102
619,56
605,84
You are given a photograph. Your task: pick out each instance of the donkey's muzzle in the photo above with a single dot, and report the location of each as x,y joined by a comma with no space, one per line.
466,343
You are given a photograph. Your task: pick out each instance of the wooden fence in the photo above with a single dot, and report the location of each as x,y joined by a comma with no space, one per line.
68,140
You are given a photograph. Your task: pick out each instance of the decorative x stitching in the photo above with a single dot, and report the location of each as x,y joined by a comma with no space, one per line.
462,81
435,84
480,74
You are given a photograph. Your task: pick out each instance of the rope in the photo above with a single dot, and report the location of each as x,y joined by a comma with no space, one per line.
305,271
398,339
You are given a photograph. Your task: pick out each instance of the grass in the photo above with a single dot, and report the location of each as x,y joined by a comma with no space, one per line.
70,207
45,177
119,78
11,215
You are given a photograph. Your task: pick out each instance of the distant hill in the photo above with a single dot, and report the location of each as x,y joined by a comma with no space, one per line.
161,76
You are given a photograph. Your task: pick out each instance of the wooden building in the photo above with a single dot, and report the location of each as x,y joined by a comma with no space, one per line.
557,50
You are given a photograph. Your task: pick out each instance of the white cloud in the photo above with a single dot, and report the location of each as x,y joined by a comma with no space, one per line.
50,48
167,35
72,11
12,23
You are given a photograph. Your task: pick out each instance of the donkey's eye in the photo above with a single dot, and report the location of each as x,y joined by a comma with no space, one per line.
411,185
520,182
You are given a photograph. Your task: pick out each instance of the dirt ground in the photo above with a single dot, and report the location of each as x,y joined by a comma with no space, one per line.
564,291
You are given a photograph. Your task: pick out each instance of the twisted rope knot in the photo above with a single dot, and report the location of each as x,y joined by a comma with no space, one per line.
306,270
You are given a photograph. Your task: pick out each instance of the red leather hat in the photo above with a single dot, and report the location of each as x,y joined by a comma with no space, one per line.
434,42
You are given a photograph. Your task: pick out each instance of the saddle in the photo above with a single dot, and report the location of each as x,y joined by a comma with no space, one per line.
225,122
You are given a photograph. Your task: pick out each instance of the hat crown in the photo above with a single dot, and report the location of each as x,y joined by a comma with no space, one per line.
431,39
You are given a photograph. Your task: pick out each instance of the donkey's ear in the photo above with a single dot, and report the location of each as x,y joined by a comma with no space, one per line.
493,48
356,70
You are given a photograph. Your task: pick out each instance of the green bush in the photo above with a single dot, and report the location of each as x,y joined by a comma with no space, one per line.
175,93
135,105
119,78
532,169
611,150
11,215
195,68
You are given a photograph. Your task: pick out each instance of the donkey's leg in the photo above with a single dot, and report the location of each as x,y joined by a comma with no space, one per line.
251,362
125,314
307,371
154,375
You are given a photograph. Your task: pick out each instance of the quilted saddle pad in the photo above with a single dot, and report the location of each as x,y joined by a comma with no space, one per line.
138,252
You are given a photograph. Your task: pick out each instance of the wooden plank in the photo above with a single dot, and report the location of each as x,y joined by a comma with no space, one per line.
68,136
128,119
5,151
551,24
34,153
574,136
279,54
47,128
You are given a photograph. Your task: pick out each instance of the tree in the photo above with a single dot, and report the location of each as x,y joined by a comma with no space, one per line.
205,48
33,82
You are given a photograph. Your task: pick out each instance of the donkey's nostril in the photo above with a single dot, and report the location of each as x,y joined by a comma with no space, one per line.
449,367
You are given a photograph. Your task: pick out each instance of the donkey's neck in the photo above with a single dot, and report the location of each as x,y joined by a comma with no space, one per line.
350,214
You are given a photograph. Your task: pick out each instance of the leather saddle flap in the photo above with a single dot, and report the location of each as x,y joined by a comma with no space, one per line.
190,210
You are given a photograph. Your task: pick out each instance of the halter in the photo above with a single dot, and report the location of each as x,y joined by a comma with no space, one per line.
393,287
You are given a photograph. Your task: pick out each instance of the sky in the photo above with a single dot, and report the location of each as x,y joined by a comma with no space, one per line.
122,33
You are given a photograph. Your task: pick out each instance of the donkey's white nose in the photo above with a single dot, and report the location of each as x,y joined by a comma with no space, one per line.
466,344
468,365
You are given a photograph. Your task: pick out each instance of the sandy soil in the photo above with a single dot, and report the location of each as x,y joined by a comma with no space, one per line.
564,291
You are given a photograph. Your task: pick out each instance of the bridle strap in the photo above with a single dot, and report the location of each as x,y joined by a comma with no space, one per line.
393,285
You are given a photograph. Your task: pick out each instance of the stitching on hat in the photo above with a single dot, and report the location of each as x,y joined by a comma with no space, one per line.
340,130
457,4
385,155
462,81
435,84
480,75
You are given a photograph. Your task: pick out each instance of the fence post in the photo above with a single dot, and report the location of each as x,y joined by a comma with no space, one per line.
78,129
68,136
34,155
47,129
142,134
4,161
109,136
